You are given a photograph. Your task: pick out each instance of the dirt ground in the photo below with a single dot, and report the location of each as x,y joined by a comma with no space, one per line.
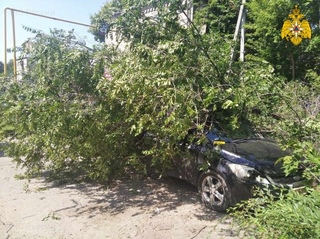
151,208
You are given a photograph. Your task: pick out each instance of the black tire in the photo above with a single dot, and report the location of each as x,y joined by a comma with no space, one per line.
214,191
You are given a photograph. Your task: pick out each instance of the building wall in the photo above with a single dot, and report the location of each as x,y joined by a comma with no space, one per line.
113,38
21,67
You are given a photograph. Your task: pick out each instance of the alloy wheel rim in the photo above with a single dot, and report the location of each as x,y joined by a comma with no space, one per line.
212,190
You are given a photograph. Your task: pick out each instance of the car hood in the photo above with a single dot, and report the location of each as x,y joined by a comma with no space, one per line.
260,154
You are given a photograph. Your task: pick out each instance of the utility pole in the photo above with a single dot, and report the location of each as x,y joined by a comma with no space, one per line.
14,37
239,26
242,32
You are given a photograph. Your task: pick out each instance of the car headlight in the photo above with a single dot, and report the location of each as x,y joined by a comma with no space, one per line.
245,173
242,171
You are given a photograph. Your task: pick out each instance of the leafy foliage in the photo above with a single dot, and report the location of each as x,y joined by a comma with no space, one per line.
165,68
56,110
65,114
295,215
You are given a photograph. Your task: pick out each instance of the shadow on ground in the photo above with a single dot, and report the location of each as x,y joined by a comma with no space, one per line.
165,194
145,195
162,194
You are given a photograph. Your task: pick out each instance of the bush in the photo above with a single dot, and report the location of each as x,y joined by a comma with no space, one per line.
294,215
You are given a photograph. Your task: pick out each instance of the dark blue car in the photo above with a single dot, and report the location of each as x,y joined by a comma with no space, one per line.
226,171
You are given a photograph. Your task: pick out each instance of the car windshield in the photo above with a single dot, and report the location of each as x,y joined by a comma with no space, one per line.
216,135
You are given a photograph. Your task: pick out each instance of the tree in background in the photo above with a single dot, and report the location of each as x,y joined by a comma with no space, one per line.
1,67
9,67
265,18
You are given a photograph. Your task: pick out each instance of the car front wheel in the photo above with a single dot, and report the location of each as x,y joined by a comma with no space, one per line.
214,191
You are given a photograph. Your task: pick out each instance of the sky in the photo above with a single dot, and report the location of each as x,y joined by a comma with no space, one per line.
72,10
